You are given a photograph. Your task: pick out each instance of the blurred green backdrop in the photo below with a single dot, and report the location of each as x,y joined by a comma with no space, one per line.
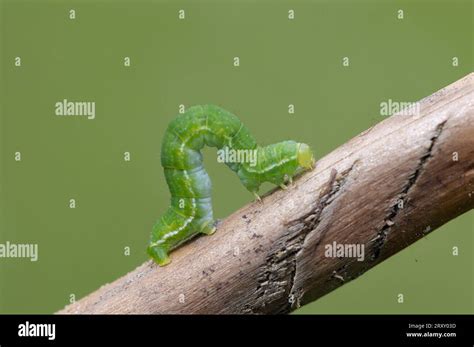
189,62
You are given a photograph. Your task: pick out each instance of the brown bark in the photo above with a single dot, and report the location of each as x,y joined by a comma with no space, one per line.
385,189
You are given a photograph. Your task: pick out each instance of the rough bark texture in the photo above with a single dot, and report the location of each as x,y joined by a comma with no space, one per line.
385,189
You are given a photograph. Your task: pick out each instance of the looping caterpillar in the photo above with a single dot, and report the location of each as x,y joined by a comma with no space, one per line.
190,212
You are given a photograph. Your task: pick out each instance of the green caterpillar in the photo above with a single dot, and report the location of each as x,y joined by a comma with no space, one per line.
190,212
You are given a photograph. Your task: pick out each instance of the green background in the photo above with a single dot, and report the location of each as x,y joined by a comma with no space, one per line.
190,62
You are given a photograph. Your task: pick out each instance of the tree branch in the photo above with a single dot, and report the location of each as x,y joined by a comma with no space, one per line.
384,189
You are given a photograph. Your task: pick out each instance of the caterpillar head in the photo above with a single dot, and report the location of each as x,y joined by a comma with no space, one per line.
277,163
305,156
